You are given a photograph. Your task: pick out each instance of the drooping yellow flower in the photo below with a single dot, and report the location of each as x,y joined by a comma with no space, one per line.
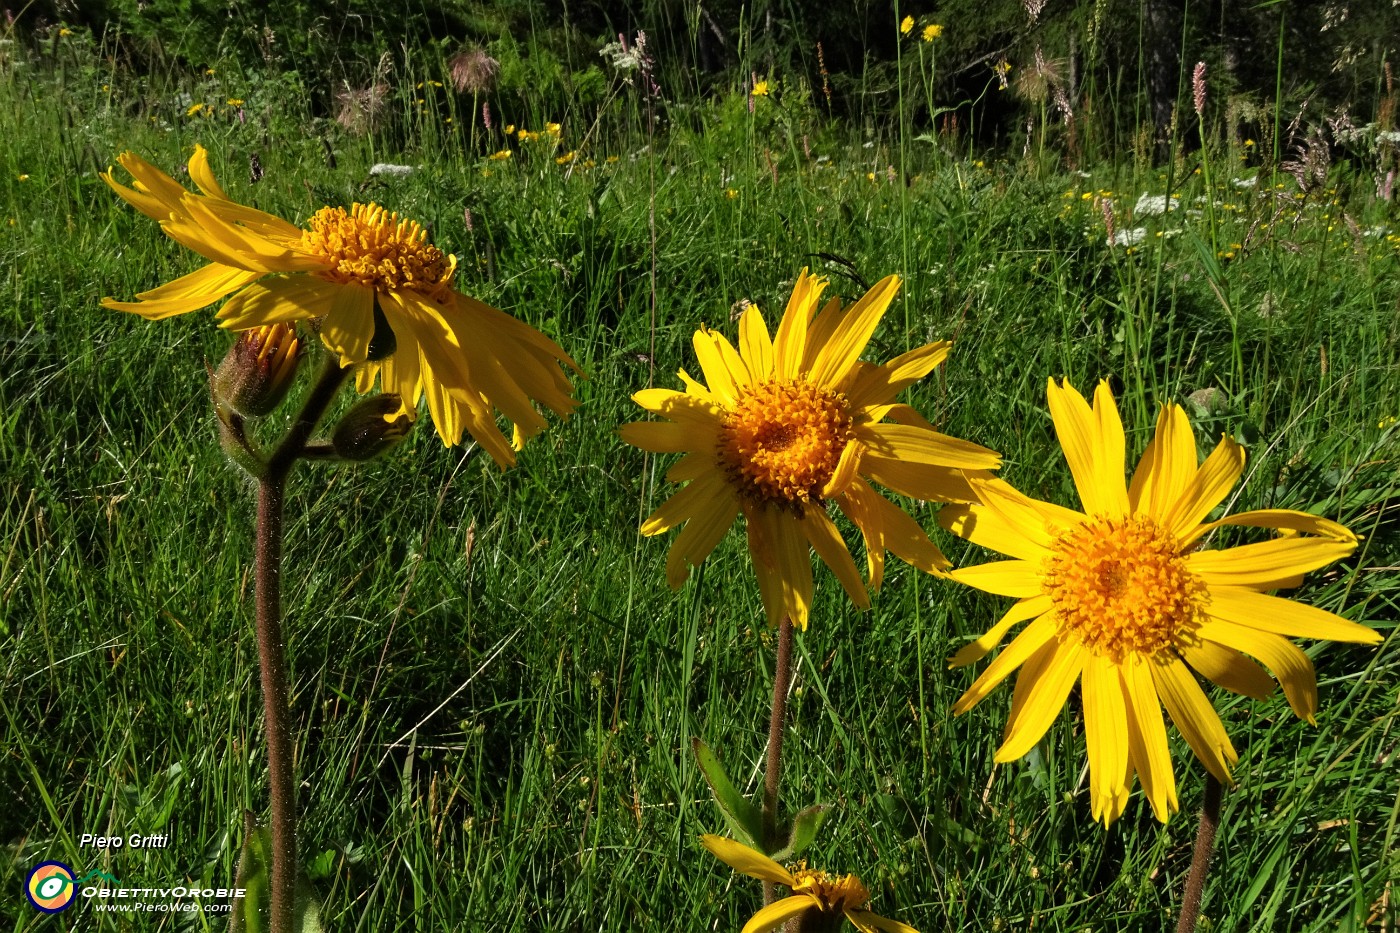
932,31
906,26
817,900
790,423
381,294
1123,599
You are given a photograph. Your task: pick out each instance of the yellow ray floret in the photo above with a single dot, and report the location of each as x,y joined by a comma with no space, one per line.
788,423
1120,599
368,279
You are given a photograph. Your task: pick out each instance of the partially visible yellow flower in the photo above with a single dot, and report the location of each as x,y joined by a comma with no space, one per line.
786,427
760,89
566,158
526,136
382,294
816,900
906,26
552,129
195,109
23,177
1123,599
932,31
731,193
500,156
65,32
611,160
510,129
234,102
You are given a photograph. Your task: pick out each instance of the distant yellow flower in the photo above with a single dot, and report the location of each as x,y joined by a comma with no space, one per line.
552,129
234,102
510,129
932,31
611,160
65,32
906,26
382,294
195,109
500,156
526,136
731,193
1124,599
786,427
566,158
22,177
760,89
818,901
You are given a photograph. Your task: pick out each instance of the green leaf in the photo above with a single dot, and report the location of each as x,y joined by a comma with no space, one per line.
741,815
801,832
250,913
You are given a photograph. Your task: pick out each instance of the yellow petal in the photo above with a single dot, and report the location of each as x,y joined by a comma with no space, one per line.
714,362
755,346
1207,489
1087,450
688,502
678,406
1285,617
918,480
1286,521
1167,464
747,861
275,299
782,563
1045,698
1147,738
778,913
666,437
1228,668
915,445
858,504
1019,612
1018,578
1194,717
878,385
203,177
846,470
198,289
1034,637
904,538
1006,524
349,326
866,920
791,340
1106,734
1266,564
690,467
840,352
827,542
706,528
1290,666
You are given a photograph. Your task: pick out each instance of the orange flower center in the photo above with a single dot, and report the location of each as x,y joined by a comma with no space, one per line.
783,439
835,894
1121,587
372,247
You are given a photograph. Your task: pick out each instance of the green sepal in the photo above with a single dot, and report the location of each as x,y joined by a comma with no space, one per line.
251,912
801,832
742,816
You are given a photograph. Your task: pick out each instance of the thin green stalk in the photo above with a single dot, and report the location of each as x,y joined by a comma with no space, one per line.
1200,857
772,772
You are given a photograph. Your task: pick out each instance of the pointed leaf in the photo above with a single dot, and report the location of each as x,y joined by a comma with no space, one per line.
801,832
742,816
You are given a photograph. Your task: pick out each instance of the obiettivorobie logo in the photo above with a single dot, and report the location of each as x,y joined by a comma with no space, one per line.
51,886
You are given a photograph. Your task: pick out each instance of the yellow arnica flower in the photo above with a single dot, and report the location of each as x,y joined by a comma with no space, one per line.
817,901
373,283
1124,598
789,423
932,31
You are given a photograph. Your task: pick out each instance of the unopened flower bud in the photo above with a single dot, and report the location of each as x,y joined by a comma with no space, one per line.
260,367
368,429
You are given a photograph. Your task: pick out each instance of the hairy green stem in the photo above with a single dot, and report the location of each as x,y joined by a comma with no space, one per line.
1200,857
272,645
773,770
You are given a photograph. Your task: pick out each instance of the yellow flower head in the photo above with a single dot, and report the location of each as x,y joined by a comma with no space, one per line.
1123,600
552,129
932,31
788,424
760,88
814,896
566,158
906,26
500,156
382,295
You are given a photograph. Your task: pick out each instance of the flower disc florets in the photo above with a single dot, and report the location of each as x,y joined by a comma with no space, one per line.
783,440
372,247
1121,587
836,894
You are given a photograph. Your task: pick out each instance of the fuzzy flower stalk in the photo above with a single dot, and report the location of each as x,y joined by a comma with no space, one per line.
382,301
1125,599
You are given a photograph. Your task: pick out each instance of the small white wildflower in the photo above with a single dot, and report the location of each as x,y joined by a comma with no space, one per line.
388,168
1130,237
1243,183
1153,205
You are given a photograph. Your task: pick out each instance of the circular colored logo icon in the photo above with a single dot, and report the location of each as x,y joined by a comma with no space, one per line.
50,887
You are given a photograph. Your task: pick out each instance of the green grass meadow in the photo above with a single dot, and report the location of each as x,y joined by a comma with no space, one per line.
494,691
